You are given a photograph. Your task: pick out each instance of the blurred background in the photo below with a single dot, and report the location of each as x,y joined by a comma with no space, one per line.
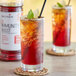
37,4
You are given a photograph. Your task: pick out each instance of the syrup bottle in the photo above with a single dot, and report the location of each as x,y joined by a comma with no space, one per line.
10,13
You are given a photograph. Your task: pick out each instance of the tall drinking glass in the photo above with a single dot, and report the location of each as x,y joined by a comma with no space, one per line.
32,44
61,22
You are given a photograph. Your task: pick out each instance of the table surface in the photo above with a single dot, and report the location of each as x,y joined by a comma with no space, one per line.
57,65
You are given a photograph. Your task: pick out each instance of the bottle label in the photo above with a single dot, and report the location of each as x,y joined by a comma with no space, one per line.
10,31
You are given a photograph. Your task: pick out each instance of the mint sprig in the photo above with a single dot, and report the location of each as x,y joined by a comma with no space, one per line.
30,15
60,5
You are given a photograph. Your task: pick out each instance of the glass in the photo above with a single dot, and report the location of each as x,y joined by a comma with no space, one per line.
10,13
61,22
32,44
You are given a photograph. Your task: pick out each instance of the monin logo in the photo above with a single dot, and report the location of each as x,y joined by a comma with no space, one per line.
6,28
8,16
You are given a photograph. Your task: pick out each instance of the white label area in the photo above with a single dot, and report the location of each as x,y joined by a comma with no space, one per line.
10,31
0,29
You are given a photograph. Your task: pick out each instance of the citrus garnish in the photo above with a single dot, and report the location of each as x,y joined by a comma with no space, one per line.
61,4
32,14
36,13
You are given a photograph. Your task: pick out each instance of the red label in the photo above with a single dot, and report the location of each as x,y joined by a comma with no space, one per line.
17,39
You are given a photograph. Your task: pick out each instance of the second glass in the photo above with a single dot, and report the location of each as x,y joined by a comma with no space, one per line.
61,22
32,44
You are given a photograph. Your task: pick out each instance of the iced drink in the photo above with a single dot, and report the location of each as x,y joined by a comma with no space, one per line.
32,44
61,21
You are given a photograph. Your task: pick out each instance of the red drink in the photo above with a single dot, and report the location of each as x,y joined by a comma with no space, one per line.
32,43
10,32
61,26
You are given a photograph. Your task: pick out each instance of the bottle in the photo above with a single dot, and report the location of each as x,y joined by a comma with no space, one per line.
10,13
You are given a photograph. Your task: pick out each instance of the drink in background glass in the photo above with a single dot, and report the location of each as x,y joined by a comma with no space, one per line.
10,14
32,44
61,22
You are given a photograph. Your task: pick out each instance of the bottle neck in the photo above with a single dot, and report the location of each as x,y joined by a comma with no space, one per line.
11,4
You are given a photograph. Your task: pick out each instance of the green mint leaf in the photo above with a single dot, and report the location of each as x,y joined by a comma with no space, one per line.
30,15
60,5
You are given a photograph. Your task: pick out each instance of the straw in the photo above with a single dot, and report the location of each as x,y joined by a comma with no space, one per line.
25,52
42,8
69,2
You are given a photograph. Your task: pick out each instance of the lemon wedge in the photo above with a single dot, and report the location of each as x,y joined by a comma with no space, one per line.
36,13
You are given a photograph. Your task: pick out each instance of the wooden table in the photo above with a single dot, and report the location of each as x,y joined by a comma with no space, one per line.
58,66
